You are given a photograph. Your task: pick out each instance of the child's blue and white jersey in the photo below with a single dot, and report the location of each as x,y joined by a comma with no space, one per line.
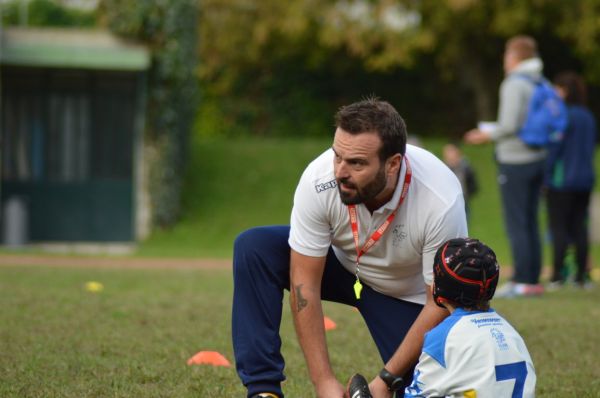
473,354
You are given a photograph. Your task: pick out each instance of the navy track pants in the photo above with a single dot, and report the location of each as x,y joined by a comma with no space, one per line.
261,273
520,189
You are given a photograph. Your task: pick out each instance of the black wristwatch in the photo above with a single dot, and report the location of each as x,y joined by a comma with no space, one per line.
393,382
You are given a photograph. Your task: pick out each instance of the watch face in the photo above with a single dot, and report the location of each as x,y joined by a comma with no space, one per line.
397,384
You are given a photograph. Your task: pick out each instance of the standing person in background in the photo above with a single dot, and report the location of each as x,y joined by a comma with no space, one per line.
570,179
520,167
460,166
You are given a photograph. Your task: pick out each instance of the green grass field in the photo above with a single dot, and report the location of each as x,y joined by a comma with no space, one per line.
236,184
233,185
133,339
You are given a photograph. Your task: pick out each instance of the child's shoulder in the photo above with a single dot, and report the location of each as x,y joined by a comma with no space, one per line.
460,323
464,319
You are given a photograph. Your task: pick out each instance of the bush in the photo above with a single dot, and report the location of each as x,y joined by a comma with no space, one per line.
45,13
170,30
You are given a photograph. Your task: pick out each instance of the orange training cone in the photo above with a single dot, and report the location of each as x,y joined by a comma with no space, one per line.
208,358
329,324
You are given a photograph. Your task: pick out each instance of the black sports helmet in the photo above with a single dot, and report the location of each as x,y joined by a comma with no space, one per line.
465,271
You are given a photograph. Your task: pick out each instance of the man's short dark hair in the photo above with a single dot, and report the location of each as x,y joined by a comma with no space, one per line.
376,116
523,46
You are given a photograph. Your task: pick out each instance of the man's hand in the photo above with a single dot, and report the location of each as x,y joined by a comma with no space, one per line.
330,388
379,389
476,137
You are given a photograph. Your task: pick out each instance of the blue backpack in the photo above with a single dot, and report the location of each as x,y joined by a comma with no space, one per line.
546,118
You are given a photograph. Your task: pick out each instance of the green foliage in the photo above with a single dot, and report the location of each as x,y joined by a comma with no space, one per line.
576,23
170,29
329,53
45,13
133,339
292,73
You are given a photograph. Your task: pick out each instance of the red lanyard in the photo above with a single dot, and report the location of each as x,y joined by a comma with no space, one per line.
380,231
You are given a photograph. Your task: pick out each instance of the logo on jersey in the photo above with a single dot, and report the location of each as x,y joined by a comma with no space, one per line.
484,322
500,339
399,234
325,186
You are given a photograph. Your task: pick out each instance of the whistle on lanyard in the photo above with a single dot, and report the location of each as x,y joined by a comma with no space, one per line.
357,288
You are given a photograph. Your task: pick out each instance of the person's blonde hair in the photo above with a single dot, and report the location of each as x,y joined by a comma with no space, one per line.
524,47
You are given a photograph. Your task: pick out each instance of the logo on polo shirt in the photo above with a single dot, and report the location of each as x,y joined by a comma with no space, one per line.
399,234
325,186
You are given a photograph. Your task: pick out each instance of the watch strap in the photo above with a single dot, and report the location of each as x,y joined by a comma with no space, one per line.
393,382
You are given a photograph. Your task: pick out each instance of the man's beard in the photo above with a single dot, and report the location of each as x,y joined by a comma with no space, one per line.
364,194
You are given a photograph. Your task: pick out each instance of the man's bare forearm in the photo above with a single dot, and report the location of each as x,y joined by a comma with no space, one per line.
307,312
409,350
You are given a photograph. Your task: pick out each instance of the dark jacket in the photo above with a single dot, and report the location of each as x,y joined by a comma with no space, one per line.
570,162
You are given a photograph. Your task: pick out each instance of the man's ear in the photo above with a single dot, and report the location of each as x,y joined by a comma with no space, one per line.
394,163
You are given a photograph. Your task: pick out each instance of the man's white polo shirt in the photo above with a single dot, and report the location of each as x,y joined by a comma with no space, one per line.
401,262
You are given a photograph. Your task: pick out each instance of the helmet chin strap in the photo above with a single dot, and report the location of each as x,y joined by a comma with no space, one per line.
439,301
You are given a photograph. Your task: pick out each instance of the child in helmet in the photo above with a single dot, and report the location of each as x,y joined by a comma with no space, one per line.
474,352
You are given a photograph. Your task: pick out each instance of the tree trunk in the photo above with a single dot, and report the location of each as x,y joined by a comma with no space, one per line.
482,83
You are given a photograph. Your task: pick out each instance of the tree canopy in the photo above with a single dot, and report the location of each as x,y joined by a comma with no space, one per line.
462,40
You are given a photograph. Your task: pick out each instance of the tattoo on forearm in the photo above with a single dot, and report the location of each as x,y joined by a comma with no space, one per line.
301,302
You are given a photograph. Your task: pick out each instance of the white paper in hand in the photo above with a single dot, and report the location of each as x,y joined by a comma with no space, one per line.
487,127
